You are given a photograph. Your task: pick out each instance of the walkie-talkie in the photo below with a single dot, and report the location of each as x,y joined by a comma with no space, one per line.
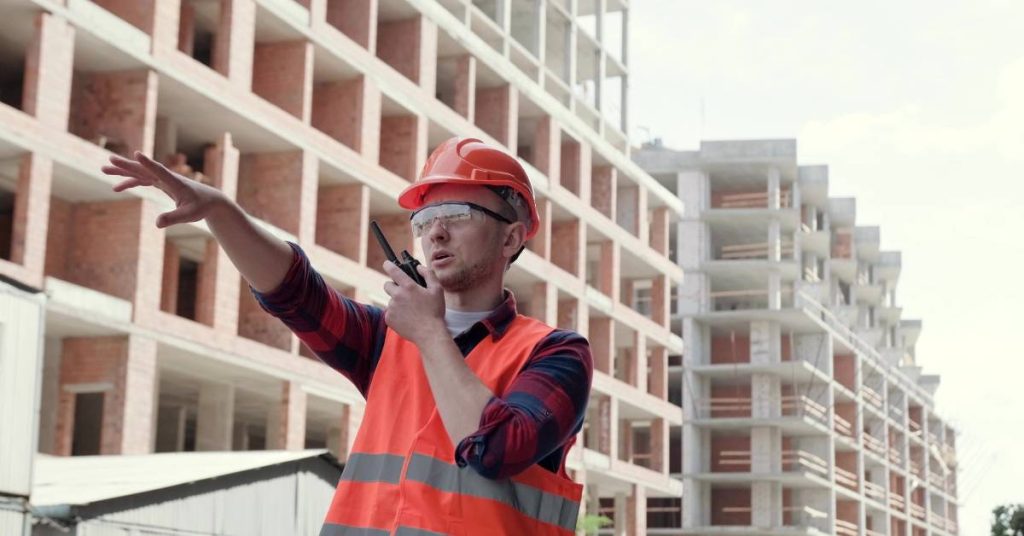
408,264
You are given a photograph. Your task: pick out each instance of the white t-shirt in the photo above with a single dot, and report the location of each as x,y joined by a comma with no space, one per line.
459,321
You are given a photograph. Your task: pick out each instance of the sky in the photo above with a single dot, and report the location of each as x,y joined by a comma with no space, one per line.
917,107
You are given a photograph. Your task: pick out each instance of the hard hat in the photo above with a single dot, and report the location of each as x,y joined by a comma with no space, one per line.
470,161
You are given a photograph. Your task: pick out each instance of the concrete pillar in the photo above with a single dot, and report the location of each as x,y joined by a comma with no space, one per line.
233,44
660,445
497,113
659,372
465,87
215,421
31,217
774,190
661,302
621,515
349,111
765,342
410,47
169,287
342,223
765,391
660,230
124,370
48,70
636,512
774,241
355,18
638,365
282,73
774,291
165,24
765,505
403,145
286,421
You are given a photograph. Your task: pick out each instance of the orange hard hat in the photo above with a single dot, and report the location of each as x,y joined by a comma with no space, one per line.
471,161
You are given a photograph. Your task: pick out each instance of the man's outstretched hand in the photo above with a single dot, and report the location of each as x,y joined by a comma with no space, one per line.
194,200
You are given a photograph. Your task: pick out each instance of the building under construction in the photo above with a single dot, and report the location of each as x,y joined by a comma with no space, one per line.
805,409
795,408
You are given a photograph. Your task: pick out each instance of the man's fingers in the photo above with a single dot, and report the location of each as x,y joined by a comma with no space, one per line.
130,183
159,172
428,276
396,273
390,288
181,214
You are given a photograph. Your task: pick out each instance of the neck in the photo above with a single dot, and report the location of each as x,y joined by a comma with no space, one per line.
485,297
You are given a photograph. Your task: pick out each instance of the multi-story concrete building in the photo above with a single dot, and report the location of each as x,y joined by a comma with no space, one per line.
805,410
313,115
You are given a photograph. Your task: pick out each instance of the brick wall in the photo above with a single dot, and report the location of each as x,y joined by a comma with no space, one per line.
116,108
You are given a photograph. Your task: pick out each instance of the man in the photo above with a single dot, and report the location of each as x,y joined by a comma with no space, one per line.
471,408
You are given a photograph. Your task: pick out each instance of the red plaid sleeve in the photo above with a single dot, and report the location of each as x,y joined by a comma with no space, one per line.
536,419
346,335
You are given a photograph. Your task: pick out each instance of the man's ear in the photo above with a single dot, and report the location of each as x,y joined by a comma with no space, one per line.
515,238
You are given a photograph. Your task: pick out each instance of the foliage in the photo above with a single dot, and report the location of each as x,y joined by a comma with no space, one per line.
1008,520
591,523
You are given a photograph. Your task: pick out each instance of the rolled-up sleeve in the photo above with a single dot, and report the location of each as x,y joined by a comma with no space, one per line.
542,410
346,335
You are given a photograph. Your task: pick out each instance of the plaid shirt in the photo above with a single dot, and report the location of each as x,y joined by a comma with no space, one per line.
534,422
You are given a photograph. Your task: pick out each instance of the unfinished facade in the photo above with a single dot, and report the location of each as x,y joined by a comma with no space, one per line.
805,411
313,115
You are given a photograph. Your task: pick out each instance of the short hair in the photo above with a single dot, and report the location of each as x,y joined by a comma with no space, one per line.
514,200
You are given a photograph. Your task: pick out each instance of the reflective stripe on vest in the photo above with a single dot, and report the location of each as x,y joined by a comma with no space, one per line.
332,529
528,500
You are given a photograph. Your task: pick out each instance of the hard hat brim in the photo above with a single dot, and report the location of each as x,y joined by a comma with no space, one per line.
412,197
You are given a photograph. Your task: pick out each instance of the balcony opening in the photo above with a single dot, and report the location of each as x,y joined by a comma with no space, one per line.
7,202
198,23
12,79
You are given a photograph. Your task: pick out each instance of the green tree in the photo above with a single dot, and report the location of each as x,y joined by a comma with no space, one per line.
1008,520
590,524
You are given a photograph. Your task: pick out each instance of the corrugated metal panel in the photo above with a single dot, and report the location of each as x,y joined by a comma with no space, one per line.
20,347
289,499
13,523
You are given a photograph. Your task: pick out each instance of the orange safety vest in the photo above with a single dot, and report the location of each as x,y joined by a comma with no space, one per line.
401,477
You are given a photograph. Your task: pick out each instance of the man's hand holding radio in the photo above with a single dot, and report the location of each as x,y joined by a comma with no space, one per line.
414,312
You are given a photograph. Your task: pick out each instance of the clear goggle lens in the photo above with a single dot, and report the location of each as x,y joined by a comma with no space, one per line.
448,214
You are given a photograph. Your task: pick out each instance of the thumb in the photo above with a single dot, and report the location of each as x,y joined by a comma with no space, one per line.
181,214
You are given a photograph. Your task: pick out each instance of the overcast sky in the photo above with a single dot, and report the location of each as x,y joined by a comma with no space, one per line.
917,107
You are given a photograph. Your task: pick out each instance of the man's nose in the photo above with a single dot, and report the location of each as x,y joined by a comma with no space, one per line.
437,231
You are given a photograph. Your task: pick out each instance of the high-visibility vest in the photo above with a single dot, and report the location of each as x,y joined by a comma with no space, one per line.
401,477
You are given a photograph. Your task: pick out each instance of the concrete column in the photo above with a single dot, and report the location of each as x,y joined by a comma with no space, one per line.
659,445
233,44
659,373
774,189
165,24
48,70
169,287
286,421
661,302
497,113
215,422
621,521
774,241
765,505
774,291
357,19
465,87
349,111
638,369
31,216
636,512
765,391
660,230
765,342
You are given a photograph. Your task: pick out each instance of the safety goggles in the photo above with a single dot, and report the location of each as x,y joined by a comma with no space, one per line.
449,214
